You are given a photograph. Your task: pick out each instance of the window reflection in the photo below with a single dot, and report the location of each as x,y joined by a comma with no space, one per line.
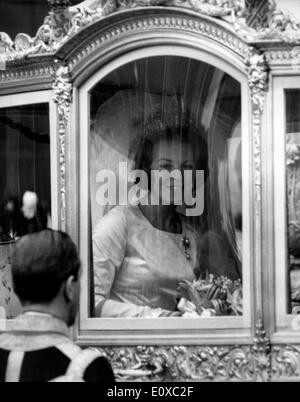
25,170
25,186
166,191
293,194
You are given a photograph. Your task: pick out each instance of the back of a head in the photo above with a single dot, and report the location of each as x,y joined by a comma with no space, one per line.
41,263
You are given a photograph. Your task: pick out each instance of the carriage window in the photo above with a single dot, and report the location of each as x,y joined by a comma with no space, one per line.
166,191
293,195
24,183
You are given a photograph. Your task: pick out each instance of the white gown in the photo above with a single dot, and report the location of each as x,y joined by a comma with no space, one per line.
137,267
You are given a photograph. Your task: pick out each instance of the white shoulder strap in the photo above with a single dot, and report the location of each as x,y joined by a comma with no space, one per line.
80,360
69,349
14,365
80,363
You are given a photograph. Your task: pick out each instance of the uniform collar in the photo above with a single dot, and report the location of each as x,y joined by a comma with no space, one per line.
32,322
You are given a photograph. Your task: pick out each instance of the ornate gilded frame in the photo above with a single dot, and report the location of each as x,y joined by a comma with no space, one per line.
72,43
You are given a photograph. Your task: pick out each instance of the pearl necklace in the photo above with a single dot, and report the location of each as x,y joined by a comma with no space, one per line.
187,246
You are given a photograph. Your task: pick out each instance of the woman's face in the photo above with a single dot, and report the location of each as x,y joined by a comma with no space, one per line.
171,158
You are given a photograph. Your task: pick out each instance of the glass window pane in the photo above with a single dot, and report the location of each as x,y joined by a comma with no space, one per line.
293,194
166,190
25,198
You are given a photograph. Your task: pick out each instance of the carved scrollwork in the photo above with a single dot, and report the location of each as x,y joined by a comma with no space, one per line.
84,15
277,24
258,81
24,45
194,363
213,8
261,351
64,22
269,23
6,44
62,96
191,25
285,362
258,84
184,363
280,25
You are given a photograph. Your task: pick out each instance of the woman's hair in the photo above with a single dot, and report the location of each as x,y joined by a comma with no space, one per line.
171,128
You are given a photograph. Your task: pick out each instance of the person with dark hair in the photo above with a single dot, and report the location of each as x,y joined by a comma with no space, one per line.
46,274
143,251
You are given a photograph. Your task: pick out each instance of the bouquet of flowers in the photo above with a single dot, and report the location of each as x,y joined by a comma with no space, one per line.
211,297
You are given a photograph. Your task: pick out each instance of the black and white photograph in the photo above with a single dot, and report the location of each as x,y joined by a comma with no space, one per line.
149,193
